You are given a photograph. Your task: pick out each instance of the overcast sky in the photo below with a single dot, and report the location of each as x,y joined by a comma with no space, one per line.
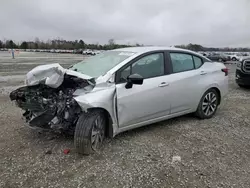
158,22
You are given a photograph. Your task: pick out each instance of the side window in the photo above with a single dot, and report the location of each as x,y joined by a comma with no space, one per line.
148,67
181,62
197,62
206,59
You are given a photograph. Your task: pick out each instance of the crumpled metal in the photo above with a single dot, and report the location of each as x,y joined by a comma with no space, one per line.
51,75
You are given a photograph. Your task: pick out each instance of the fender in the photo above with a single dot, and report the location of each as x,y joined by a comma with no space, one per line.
101,97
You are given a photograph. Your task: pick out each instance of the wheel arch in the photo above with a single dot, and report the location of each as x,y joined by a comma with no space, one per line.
219,93
216,89
109,132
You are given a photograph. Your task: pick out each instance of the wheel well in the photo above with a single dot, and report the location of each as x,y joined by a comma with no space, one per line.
108,119
218,91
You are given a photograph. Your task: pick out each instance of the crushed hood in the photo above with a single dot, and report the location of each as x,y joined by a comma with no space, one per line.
51,75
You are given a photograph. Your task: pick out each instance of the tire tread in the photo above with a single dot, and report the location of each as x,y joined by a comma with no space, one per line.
83,129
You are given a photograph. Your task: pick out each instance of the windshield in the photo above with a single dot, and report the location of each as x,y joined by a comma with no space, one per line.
100,64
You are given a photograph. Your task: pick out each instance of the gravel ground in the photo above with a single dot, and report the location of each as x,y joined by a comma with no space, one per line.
181,152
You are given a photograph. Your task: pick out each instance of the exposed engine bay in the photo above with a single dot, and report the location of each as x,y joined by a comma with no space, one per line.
51,108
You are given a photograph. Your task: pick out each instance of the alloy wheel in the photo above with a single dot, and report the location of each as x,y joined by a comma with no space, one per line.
97,133
209,104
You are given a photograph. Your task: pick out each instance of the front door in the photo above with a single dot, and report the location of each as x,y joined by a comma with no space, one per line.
147,101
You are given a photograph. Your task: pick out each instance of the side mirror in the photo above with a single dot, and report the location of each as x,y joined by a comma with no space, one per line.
134,79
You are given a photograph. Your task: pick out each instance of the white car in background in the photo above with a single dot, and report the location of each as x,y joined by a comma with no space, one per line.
119,90
88,52
235,57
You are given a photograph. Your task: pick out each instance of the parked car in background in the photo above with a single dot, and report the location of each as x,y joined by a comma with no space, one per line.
218,57
119,90
204,54
243,72
88,52
78,51
235,57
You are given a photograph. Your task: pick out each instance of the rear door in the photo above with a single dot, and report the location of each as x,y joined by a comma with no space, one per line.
148,101
186,81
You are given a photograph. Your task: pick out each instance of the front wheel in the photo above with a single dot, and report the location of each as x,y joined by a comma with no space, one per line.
208,104
90,132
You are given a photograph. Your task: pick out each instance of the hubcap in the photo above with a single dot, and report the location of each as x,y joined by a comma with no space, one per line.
97,133
209,104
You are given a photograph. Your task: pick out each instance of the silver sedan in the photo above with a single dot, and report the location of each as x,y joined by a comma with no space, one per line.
119,90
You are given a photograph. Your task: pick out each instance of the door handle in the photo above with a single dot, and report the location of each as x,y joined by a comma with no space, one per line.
163,84
203,73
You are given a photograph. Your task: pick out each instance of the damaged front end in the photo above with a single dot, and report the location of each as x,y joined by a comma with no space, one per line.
48,97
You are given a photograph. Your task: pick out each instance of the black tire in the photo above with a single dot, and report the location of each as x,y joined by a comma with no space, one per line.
234,59
240,85
86,125
201,110
243,86
220,60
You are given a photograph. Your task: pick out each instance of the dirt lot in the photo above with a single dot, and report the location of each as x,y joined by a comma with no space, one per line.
182,152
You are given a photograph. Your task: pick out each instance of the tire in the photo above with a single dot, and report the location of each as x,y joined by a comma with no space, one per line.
90,132
220,60
243,86
234,59
240,85
204,112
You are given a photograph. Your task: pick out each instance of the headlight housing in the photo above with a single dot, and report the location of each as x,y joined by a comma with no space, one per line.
238,65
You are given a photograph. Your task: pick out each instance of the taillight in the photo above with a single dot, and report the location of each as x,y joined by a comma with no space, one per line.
225,70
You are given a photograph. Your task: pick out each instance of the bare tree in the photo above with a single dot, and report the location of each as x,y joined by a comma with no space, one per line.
111,42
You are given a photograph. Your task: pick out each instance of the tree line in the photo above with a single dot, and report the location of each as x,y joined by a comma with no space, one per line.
80,44
62,44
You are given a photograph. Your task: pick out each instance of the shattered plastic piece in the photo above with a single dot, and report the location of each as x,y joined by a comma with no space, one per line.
176,159
66,151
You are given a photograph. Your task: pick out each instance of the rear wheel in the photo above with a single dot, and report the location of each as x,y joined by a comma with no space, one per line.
234,59
220,60
90,132
208,104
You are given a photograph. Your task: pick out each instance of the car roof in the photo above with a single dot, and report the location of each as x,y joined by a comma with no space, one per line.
144,49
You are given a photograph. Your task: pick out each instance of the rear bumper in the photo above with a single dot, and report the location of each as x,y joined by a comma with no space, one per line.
242,78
